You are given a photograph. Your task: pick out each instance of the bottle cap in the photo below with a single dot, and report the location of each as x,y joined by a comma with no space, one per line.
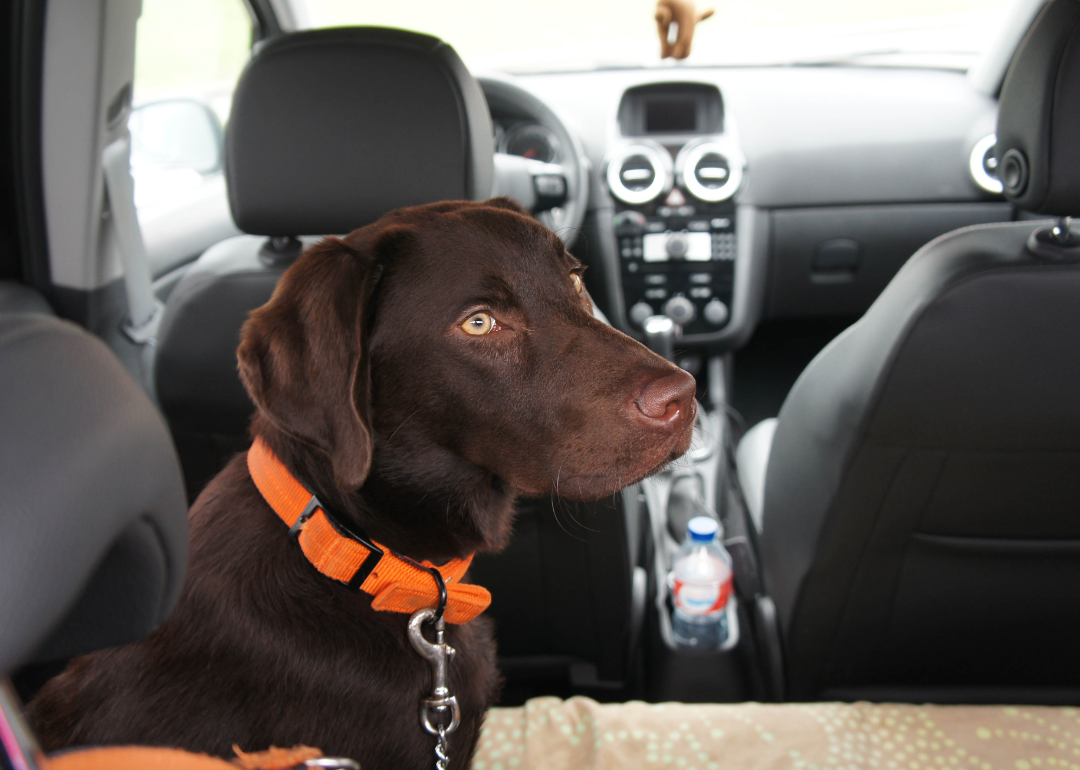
703,528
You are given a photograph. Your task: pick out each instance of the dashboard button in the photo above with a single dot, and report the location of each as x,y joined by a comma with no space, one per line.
655,293
700,278
656,279
701,292
639,312
716,312
680,310
677,245
629,222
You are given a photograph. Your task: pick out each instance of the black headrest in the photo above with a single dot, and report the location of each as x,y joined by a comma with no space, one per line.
1038,130
93,520
330,129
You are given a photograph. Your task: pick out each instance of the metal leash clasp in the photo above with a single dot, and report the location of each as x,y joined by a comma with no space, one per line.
442,705
438,654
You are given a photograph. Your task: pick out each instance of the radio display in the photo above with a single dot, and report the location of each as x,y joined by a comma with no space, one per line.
670,116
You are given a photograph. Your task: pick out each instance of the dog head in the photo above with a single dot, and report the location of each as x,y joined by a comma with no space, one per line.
449,352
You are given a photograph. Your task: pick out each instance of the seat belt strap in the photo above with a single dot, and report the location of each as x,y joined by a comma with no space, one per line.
144,310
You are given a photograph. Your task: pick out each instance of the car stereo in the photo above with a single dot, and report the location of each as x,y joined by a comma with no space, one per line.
675,229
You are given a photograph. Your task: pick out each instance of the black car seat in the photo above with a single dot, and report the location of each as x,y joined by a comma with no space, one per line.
93,515
920,531
94,520
330,130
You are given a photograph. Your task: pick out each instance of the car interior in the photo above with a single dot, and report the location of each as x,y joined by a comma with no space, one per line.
866,263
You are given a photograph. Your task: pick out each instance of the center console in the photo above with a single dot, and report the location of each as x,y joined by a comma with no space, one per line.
672,174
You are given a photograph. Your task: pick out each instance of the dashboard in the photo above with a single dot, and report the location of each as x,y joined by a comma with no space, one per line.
721,197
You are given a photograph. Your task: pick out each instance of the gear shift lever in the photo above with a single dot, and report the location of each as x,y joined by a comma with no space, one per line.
660,333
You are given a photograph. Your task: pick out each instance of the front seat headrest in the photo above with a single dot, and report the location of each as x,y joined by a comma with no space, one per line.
93,519
1038,130
330,129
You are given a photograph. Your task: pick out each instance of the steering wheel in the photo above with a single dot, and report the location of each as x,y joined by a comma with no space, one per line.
505,96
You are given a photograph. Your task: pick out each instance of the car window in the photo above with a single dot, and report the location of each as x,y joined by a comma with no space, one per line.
188,57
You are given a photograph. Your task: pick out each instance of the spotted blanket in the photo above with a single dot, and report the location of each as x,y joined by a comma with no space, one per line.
580,734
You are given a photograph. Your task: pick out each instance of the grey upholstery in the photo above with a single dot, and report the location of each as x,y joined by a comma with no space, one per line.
751,461
921,527
195,371
94,522
329,130
17,298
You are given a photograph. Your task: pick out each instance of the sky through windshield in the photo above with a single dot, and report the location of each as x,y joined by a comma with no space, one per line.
543,35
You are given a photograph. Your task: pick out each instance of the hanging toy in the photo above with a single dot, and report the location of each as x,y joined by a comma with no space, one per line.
676,20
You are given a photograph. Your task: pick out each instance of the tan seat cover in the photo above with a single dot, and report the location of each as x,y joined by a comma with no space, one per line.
579,733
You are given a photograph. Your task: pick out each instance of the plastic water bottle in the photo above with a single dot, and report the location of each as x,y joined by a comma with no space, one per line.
701,587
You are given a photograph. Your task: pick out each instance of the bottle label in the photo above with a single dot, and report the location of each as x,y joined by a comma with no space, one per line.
701,599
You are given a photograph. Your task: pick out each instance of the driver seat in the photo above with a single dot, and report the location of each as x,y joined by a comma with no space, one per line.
330,129
920,530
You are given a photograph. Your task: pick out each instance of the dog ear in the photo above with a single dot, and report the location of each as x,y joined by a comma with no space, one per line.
302,356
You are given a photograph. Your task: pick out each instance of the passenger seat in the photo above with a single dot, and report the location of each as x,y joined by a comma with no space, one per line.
918,496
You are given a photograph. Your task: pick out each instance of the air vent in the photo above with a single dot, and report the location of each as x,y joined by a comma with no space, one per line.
711,170
983,165
639,173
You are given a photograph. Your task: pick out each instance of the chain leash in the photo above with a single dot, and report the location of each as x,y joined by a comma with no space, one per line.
442,750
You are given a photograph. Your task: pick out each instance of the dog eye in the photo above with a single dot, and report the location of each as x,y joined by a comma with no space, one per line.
578,283
478,323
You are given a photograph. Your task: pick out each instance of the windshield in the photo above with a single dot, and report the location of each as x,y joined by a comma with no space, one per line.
553,35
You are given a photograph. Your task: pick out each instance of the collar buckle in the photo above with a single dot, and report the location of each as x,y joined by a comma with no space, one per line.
309,510
375,553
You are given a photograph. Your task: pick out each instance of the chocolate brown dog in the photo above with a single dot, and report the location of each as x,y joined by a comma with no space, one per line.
416,375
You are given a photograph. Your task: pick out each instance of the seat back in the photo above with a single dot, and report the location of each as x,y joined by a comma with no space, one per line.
921,533
566,617
93,516
329,130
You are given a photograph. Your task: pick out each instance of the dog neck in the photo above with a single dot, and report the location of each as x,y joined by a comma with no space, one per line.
415,512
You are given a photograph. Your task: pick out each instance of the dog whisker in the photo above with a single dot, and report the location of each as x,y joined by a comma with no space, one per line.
558,475
402,423
559,521
558,478
588,529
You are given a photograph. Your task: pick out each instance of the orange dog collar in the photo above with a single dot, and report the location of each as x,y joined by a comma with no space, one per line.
397,584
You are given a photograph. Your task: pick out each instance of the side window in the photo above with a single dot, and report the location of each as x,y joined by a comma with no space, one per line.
188,56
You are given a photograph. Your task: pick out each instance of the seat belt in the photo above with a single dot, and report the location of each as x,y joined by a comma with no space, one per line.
144,309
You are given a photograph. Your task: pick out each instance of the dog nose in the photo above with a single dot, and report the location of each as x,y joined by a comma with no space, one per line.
669,399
